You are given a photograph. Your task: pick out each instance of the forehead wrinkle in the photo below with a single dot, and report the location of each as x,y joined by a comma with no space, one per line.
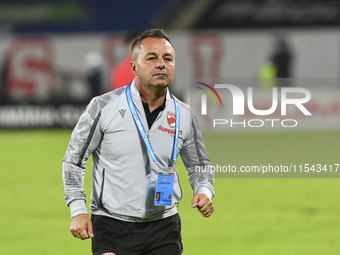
151,53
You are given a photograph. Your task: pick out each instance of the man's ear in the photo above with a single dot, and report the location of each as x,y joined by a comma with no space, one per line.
133,67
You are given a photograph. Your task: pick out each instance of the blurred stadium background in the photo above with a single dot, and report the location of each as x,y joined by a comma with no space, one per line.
49,50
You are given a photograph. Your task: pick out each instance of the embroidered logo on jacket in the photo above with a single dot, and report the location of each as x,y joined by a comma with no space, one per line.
122,112
171,119
109,253
169,131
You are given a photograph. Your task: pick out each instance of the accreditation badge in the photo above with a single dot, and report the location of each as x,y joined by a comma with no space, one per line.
164,189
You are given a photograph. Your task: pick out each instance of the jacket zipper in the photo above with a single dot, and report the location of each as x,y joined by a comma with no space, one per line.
102,189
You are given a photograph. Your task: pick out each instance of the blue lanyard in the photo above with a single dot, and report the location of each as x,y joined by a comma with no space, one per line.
142,130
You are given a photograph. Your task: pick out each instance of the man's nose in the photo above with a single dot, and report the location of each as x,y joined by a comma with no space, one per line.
160,64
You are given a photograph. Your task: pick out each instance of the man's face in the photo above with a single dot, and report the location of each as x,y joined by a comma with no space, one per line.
154,62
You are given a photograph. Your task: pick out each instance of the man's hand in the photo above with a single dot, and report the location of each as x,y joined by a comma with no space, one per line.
203,204
81,227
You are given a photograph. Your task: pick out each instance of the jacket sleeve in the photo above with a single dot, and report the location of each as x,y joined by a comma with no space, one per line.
84,140
194,157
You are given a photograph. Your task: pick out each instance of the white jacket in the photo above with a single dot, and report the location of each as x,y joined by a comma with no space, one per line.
123,174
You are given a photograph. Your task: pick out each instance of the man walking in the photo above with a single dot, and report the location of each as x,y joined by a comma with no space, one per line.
135,134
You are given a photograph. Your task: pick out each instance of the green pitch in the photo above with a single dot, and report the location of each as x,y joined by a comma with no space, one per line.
252,216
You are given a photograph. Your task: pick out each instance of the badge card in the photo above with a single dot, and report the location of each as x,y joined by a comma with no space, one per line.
164,189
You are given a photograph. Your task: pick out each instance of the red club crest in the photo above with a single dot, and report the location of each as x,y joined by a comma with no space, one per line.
171,119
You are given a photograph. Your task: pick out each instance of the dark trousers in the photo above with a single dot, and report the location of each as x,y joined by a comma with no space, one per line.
116,237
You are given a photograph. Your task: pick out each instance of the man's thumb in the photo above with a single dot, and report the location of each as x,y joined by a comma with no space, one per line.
90,230
194,201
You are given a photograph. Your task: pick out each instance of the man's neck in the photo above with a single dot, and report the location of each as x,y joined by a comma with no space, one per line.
153,96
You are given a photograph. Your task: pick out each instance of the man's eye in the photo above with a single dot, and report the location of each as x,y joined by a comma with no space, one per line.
152,58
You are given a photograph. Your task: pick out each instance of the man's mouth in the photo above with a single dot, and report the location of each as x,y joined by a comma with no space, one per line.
160,74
